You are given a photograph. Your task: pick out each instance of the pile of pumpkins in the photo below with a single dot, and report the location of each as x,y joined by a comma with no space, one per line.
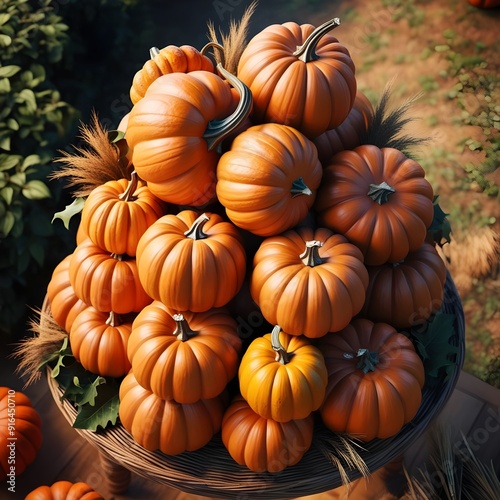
254,189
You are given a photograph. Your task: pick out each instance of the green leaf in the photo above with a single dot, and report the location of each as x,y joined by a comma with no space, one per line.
5,40
58,357
4,86
434,345
12,124
75,208
115,136
28,97
4,17
103,412
440,228
29,161
36,190
8,71
85,392
7,223
5,142
8,161
7,193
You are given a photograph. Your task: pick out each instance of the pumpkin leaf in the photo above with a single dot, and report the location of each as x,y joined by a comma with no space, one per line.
85,391
104,411
58,357
65,215
440,228
434,346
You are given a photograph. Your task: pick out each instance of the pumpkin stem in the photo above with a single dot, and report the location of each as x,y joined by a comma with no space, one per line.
380,192
112,319
310,257
128,194
217,130
153,52
281,355
195,232
307,51
217,46
299,187
367,359
183,331
117,256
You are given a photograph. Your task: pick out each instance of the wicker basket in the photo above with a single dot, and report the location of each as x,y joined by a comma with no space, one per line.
212,472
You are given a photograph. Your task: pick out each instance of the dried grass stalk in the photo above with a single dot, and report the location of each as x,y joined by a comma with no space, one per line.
90,167
47,339
387,127
233,42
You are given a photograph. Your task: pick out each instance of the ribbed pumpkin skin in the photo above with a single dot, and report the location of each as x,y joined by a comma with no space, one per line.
185,371
349,134
310,96
64,304
283,392
191,274
64,490
304,300
407,293
255,178
27,431
170,427
105,282
170,59
384,232
165,131
377,403
263,444
115,224
100,345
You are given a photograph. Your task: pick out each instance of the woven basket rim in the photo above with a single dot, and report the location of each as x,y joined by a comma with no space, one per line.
212,472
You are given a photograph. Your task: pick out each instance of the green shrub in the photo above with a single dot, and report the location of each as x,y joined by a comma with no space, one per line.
33,122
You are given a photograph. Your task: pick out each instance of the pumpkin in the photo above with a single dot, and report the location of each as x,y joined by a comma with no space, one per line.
64,304
184,357
191,262
282,377
170,59
20,433
99,342
375,380
268,179
64,490
310,282
379,199
405,294
263,444
174,132
165,425
299,76
484,4
350,133
117,213
106,281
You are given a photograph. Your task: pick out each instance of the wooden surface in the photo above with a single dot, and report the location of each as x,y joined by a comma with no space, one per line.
474,409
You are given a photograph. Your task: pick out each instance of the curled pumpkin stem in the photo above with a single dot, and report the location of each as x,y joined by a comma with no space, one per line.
281,355
113,319
182,331
380,192
195,232
214,45
307,51
310,257
153,52
128,194
299,187
367,359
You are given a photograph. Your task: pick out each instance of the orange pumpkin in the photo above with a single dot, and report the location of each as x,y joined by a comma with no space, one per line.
191,262
175,129
169,59
268,179
106,281
184,357
99,342
168,426
20,433
375,380
310,282
64,304
117,213
282,377
484,4
299,76
379,199
64,490
263,444
349,134
406,293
